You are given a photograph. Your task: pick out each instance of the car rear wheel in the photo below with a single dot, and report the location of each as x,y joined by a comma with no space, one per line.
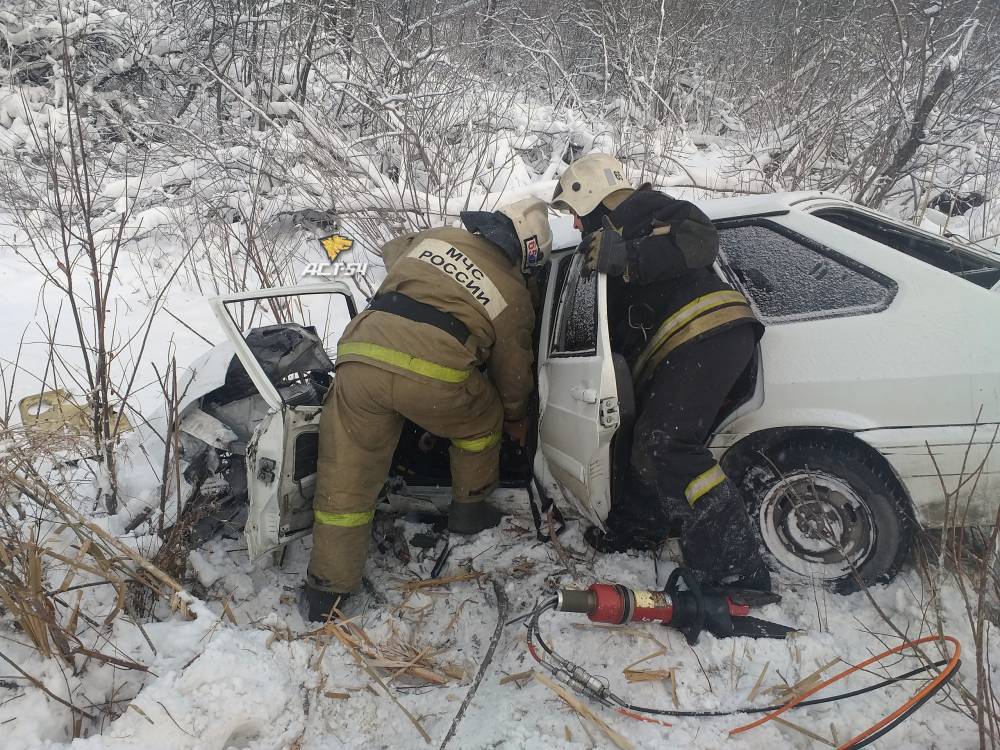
829,512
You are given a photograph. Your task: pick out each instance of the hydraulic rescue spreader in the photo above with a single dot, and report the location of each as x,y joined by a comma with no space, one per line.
723,614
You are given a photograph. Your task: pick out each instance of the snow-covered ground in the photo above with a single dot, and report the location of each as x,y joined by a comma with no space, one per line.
263,682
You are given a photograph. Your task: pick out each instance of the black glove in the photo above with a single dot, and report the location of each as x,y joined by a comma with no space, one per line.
605,250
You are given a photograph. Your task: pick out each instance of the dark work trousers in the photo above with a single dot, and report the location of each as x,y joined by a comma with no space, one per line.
670,463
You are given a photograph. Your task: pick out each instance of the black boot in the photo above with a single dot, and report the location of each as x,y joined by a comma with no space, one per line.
753,589
317,604
471,518
638,521
721,545
620,539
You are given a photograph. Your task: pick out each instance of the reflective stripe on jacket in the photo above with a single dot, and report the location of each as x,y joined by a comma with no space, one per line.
703,316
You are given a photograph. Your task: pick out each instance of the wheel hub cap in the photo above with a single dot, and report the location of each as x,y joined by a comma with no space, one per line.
817,525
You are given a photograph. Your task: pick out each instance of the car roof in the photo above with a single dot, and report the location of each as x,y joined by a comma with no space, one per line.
754,205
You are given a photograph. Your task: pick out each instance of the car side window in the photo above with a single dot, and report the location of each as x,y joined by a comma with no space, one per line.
575,332
938,253
788,277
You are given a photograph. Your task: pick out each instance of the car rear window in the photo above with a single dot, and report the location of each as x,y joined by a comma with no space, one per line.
788,277
967,265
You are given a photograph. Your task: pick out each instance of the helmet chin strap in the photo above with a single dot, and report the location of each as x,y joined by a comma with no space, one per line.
594,220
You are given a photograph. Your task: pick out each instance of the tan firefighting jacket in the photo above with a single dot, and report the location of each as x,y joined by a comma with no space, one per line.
470,278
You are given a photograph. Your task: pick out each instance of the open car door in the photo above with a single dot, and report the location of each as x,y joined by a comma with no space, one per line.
286,341
578,396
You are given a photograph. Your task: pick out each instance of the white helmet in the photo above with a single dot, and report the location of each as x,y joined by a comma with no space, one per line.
588,181
531,222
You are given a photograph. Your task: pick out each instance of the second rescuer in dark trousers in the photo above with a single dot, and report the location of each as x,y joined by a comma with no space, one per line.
687,336
677,409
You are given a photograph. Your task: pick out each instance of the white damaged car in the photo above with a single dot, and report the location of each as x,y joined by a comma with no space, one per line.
872,407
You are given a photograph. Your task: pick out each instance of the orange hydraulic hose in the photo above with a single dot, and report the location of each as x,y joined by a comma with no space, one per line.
927,689
931,685
640,717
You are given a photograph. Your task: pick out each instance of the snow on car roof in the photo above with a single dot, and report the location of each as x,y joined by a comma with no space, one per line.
563,234
750,205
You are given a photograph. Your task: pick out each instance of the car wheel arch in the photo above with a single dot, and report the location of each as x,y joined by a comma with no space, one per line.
740,456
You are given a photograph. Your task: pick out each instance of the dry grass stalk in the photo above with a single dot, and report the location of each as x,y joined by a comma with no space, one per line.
802,730
758,683
56,618
396,656
568,558
455,615
227,610
352,649
41,686
431,583
648,675
22,596
409,669
43,493
584,711
653,655
35,609
141,713
522,567
517,677
785,693
626,630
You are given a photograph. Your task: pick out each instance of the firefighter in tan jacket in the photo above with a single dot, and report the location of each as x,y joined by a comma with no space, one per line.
453,301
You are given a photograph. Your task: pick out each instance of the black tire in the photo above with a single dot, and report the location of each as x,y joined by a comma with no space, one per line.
829,511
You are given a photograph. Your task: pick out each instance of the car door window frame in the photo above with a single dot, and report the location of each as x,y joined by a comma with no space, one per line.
567,299
224,315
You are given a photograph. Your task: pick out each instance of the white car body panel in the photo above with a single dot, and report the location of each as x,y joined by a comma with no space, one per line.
939,462
280,504
912,368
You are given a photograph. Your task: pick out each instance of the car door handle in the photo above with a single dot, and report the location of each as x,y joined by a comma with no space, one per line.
587,395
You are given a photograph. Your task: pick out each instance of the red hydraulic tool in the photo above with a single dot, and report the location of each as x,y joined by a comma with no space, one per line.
722,613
